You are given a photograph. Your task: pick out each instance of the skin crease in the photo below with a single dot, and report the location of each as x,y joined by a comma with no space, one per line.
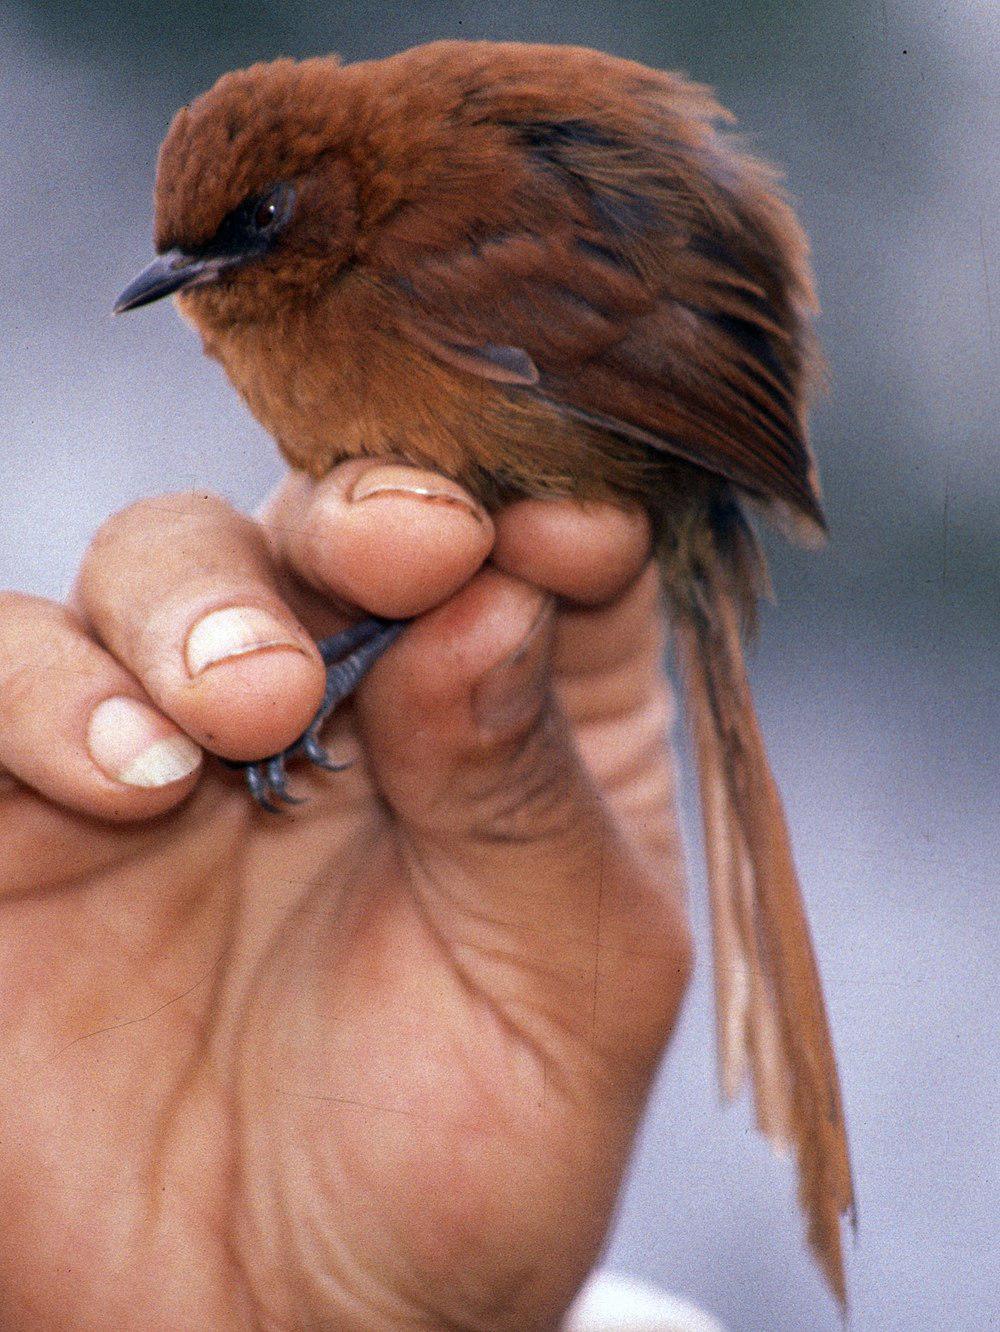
378,1063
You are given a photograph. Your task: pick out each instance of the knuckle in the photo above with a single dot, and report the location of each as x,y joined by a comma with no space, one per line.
121,525
29,687
29,625
14,606
19,694
155,550
156,515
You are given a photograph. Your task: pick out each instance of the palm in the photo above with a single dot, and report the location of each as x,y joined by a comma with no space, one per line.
315,1070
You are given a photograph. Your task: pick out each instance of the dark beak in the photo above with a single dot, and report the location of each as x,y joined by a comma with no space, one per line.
169,272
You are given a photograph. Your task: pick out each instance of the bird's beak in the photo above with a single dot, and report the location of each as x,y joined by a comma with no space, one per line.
169,272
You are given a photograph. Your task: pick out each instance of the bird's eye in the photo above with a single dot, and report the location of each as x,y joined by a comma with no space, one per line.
266,213
253,228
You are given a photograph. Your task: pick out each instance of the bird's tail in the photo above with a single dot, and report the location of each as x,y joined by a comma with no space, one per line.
771,1019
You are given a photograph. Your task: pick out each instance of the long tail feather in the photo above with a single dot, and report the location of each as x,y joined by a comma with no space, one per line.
771,1018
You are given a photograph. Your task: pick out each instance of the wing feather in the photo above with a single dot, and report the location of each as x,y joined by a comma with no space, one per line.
667,299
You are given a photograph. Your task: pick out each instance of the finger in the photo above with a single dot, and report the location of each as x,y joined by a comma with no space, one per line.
183,592
610,679
389,538
609,650
586,553
515,846
76,727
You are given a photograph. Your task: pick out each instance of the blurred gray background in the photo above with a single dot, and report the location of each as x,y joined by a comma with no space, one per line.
877,671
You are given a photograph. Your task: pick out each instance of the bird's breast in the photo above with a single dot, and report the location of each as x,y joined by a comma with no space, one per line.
329,392
333,383
342,380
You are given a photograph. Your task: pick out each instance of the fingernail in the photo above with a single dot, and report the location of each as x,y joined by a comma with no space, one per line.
393,479
511,691
131,744
234,632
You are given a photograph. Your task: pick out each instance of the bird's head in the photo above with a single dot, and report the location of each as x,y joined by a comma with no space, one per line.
254,202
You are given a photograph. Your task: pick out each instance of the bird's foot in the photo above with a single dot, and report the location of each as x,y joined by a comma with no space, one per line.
348,657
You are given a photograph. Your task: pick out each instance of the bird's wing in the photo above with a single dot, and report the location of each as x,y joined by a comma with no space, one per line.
659,290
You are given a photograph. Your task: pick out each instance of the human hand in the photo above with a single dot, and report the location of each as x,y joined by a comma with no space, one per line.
376,1063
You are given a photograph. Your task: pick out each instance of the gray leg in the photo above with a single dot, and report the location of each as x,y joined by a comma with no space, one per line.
348,657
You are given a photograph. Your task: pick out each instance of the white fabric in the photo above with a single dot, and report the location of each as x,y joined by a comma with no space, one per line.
613,1303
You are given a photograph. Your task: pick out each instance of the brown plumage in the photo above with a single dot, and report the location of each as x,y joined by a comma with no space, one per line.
545,271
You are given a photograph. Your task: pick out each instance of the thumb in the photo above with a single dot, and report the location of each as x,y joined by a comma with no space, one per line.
460,729
514,853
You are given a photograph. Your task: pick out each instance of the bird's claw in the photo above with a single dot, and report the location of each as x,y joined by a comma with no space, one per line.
256,777
318,756
348,657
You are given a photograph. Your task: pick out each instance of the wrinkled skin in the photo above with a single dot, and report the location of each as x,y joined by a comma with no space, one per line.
376,1063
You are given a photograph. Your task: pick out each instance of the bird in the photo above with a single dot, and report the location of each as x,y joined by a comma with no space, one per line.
545,271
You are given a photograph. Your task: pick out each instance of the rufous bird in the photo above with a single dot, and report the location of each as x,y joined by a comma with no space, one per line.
544,271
